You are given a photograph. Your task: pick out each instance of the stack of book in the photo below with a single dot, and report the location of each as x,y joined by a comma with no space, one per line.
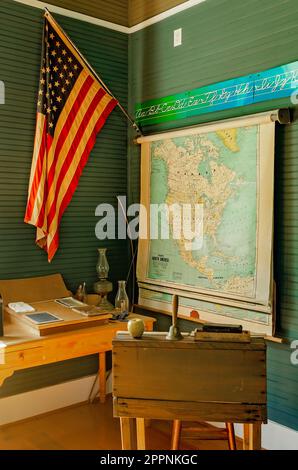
223,333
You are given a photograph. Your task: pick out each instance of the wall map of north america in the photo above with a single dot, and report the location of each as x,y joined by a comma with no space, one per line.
218,170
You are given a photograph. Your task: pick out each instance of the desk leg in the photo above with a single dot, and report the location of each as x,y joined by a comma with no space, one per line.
231,436
245,436
252,436
128,433
102,377
141,434
176,433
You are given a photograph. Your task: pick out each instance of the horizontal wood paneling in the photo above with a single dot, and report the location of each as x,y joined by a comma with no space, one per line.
103,178
141,10
223,39
124,12
115,11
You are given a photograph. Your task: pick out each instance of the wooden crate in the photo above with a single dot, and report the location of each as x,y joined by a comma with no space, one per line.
208,375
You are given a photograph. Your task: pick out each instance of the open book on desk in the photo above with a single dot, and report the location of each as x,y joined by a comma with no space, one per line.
92,311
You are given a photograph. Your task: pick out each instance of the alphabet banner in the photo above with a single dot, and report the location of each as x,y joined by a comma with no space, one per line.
279,82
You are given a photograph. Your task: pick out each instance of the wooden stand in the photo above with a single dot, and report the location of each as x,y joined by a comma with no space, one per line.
226,433
188,380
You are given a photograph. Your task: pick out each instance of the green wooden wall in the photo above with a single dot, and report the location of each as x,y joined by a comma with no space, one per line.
103,178
224,39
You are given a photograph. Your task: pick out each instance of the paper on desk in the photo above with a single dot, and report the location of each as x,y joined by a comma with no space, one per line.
21,307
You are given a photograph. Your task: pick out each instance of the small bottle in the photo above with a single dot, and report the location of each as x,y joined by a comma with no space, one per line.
81,292
121,299
84,292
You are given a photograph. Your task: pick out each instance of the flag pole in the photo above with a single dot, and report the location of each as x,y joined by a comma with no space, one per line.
128,117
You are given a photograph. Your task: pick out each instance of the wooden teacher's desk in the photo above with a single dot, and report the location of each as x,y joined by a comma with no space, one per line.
189,380
20,350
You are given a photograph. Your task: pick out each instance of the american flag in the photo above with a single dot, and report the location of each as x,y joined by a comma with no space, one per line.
72,107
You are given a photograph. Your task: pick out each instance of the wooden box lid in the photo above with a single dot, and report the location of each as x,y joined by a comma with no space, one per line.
70,318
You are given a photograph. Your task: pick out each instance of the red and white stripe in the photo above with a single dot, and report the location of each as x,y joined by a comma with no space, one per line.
58,161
